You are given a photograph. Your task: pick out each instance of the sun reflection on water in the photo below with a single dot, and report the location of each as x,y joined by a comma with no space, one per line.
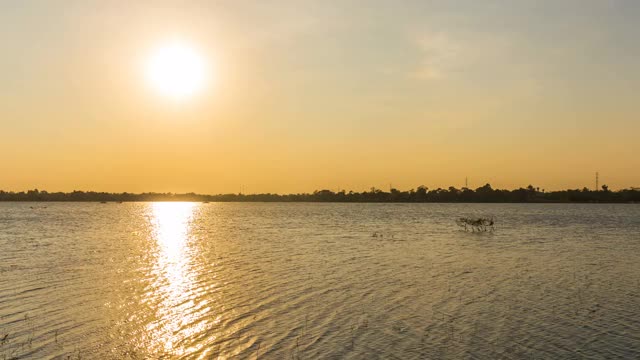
173,274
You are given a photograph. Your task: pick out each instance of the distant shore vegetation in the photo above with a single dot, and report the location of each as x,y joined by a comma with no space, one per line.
421,194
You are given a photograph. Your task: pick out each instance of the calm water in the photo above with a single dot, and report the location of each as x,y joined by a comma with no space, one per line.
309,281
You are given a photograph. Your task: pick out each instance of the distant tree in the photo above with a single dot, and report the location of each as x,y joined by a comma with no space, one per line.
482,194
421,193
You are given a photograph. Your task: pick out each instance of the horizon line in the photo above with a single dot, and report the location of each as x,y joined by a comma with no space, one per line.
390,190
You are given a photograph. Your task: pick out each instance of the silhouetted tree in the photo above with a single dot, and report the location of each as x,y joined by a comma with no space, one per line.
422,194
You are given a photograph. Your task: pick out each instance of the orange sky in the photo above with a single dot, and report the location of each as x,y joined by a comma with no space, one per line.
314,95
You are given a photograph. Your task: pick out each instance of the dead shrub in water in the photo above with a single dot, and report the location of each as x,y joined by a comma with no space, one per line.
476,224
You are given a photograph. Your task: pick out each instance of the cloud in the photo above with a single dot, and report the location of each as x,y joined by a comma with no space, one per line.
476,54
439,56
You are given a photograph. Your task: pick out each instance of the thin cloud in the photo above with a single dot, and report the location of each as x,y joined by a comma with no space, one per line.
440,55
445,54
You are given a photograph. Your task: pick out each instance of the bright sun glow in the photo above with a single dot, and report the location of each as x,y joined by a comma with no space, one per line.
176,70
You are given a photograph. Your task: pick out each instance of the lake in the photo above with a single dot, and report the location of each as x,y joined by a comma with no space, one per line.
318,281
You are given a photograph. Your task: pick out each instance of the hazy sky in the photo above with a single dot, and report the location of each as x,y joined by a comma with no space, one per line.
322,94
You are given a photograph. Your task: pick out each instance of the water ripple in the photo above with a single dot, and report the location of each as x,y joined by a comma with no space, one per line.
202,281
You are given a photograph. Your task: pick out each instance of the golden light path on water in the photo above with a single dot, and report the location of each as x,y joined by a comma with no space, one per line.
174,273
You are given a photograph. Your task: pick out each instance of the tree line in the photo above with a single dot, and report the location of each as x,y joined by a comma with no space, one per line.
483,194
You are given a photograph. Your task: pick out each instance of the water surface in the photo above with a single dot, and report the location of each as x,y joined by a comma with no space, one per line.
331,281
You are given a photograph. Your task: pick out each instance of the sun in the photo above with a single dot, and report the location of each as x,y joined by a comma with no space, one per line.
176,70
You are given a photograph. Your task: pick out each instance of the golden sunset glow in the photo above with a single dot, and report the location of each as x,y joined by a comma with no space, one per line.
292,97
174,279
176,70
304,179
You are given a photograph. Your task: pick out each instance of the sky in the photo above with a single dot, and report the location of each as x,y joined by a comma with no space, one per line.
307,95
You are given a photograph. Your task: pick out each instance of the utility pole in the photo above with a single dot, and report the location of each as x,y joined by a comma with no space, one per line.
597,175
466,182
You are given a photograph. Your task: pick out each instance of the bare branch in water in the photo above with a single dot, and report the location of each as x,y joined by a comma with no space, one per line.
476,224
